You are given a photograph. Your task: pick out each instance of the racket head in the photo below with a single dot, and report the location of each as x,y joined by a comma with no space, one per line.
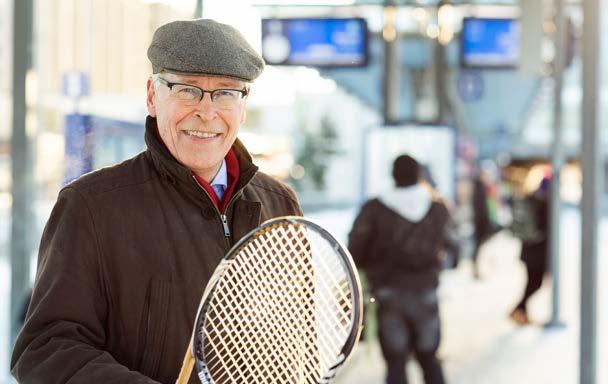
283,306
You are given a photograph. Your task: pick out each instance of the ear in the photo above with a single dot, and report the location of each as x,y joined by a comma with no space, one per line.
150,98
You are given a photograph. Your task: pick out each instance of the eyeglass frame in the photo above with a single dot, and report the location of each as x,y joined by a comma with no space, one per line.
170,84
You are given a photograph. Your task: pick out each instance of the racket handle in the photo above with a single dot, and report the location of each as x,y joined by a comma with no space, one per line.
187,365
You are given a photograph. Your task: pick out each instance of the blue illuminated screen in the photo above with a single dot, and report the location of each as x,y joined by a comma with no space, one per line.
489,42
315,41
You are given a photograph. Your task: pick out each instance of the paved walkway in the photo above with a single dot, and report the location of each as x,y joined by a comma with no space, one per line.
480,344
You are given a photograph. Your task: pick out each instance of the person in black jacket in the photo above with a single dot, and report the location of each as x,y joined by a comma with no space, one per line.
397,239
534,249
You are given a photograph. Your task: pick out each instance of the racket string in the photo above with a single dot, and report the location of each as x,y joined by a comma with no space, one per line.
306,334
267,286
266,342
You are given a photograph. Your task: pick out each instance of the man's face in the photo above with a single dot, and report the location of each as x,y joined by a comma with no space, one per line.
198,134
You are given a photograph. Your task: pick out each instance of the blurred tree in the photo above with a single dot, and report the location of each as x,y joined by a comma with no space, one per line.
315,154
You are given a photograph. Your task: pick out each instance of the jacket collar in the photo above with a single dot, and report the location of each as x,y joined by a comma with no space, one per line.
176,173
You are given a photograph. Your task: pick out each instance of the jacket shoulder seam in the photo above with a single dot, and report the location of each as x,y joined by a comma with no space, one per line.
95,191
273,190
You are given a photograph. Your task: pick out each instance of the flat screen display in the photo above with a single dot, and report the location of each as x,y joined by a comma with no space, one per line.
319,42
489,42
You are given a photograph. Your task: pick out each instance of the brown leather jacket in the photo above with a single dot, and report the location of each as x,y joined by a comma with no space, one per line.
123,262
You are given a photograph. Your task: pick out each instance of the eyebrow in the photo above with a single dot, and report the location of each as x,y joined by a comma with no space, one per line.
227,84
222,83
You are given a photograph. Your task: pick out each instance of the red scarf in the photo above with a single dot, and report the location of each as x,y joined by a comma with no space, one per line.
232,167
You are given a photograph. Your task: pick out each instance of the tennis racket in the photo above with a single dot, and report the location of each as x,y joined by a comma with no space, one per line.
283,307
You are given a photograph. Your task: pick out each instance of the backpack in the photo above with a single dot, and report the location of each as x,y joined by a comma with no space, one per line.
524,224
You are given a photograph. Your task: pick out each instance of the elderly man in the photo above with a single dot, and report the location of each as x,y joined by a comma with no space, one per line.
128,250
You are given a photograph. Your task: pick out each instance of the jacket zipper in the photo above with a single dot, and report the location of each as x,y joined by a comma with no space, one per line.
222,215
225,224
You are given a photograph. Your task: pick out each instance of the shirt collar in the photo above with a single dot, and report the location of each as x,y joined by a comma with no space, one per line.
222,176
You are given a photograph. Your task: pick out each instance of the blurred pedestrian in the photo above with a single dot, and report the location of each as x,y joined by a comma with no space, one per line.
531,225
128,249
484,214
397,239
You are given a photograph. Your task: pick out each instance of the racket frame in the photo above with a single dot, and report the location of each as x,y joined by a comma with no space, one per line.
347,260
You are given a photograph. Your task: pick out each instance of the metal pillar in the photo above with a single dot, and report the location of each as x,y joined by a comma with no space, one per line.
198,12
444,110
21,167
557,160
391,81
592,177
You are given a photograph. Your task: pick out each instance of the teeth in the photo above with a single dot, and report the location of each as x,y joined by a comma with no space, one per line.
202,135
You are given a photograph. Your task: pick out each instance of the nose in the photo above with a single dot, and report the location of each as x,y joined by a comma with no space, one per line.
205,108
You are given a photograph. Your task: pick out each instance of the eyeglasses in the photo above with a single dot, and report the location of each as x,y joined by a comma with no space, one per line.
191,95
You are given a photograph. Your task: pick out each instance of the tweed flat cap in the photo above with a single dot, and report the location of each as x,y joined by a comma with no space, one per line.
204,47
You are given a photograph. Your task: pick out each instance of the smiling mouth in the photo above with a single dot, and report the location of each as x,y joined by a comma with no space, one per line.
202,135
